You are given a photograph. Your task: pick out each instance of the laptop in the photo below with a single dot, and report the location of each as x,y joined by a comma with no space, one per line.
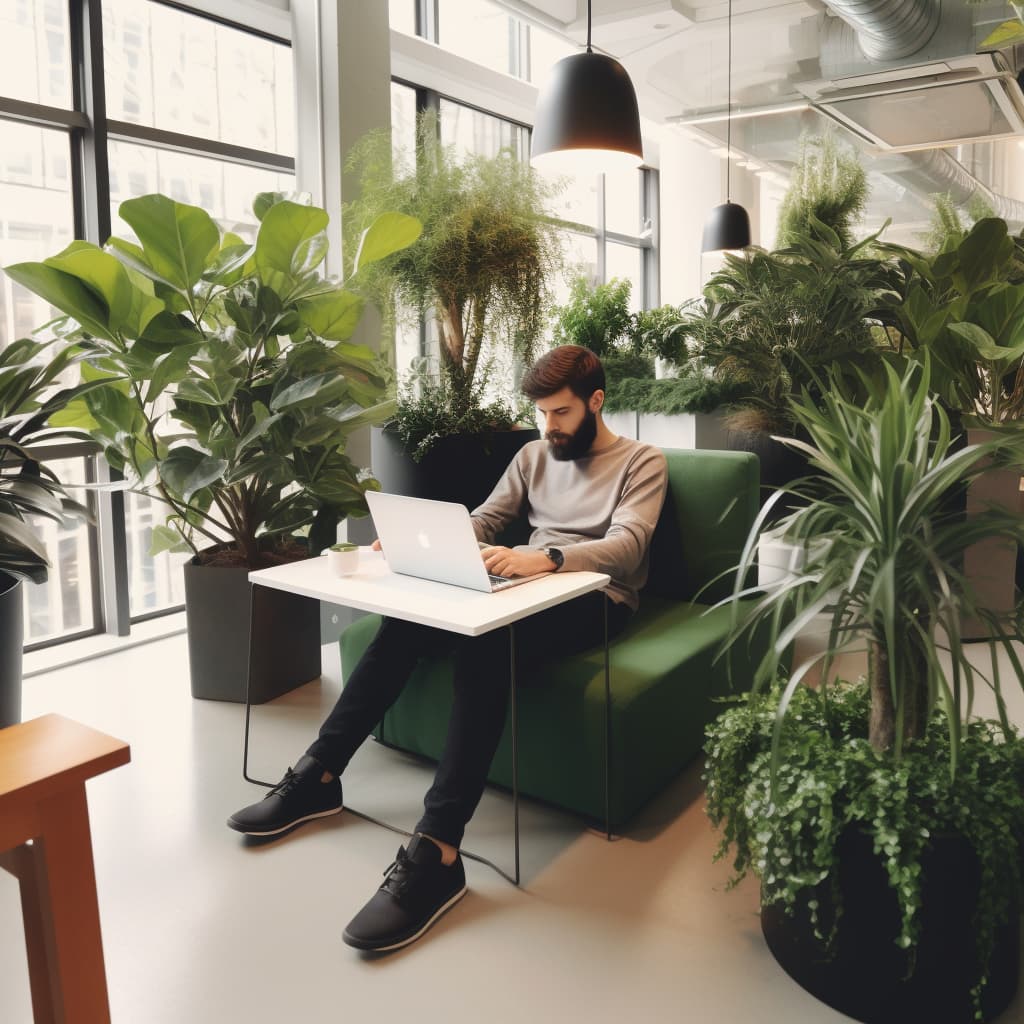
433,540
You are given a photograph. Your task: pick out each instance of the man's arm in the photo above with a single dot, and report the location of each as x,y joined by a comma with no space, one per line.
504,504
621,550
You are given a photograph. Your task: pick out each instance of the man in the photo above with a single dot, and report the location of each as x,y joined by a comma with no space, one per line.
592,500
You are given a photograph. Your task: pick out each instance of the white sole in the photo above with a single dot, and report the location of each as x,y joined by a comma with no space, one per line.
291,824
412,938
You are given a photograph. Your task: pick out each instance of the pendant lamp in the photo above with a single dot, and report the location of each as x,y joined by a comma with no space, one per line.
587,116
728,226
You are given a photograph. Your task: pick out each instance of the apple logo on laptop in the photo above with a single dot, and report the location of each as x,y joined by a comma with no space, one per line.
422,539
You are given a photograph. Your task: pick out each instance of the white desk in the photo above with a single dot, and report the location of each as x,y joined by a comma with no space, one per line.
374,588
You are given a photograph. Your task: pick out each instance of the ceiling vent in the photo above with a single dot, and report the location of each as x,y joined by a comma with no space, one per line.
940,94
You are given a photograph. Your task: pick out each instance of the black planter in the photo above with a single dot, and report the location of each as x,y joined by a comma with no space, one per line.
285,636
12,639
865,979
463,468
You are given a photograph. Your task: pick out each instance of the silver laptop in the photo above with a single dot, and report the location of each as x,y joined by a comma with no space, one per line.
433,540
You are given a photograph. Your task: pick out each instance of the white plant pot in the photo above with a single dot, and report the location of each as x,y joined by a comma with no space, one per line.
622,423
684,430
343,563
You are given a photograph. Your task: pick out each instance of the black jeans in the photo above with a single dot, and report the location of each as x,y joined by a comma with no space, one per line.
481,683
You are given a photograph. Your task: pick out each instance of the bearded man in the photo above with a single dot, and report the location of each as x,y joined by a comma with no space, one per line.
592,500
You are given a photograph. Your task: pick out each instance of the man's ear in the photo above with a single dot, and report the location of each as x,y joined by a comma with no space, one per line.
596,401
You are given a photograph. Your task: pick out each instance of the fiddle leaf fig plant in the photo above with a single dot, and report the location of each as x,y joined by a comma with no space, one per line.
964,306
230,384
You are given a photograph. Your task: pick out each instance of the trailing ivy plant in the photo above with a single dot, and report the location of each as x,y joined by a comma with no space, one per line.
786,827
230,384
884,541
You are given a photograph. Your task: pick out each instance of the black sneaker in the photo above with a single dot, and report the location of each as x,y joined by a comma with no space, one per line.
300,796
417,890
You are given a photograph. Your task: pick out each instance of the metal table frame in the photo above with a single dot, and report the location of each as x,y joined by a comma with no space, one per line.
515,877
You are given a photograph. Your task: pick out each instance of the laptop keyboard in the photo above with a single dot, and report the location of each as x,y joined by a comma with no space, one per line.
497,579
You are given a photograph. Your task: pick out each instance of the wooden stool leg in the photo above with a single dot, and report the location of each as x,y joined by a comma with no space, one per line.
21,862
67,897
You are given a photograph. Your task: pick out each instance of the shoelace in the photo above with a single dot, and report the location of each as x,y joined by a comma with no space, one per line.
286,785
397,874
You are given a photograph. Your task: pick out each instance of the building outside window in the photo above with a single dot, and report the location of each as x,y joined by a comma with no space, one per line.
195,108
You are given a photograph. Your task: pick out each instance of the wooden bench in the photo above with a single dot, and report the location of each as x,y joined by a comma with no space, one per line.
45,843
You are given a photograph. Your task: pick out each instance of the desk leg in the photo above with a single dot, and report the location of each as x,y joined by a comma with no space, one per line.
67,912
515,743
607,729
248,688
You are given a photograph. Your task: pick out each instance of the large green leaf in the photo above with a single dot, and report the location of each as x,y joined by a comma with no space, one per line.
103,274
187,470
264,201
177,239
985,345
284,228
389,233
322,389
66,292
333,316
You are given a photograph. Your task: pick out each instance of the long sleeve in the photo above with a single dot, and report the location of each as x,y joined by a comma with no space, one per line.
622,551
504,505
599,510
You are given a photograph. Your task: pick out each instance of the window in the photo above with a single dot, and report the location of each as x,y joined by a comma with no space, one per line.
472,131
179,72
196,108
36,64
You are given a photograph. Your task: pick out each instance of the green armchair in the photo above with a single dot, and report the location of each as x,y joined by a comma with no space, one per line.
665,673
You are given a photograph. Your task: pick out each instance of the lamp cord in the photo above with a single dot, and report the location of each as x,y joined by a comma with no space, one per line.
728,112
589,48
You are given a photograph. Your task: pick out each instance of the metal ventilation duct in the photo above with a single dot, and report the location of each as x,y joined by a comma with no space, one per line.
889,29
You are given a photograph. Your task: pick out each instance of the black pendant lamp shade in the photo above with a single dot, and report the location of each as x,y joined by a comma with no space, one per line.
727,227
588,105
587,116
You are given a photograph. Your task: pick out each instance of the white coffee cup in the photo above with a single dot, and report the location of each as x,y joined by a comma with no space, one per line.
343,559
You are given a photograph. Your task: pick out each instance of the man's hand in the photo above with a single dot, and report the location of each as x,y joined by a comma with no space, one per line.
506,562
375,546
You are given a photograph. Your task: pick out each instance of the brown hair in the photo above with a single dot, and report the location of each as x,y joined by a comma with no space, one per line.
571,366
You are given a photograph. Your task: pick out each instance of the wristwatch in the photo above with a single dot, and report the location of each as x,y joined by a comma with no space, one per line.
556,556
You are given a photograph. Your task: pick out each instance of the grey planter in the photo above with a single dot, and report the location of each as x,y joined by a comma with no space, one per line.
286,636
991,564
12,638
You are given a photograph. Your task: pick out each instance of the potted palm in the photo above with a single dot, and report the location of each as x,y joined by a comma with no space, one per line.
230,391
480,274
30,393
884,821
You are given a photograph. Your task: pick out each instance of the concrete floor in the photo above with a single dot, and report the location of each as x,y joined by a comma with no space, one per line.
201,928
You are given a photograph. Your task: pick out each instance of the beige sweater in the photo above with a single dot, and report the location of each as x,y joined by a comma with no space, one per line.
599,511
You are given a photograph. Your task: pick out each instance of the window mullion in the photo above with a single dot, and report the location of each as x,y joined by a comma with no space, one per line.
86,23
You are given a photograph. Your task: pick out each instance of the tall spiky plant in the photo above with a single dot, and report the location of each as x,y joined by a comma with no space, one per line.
885,541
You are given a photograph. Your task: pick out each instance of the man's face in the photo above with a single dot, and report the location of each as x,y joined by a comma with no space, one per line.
570,424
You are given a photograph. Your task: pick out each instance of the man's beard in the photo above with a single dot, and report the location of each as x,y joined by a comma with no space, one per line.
575,445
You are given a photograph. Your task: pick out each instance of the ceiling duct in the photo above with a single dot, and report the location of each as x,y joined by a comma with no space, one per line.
903,78
889,29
